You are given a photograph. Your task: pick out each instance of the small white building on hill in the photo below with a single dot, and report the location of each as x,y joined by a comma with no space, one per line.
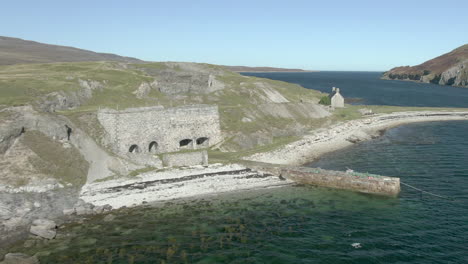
336,99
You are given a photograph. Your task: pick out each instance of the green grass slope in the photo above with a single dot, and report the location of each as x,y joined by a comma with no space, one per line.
241,96
20,51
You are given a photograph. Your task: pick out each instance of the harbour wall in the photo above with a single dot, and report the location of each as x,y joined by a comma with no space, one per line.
350,180
353,181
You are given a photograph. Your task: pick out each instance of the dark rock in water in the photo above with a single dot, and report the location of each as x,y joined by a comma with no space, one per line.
19,258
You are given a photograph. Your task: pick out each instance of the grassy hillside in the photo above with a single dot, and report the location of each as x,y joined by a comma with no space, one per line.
25,83
19,51
447,69
240,98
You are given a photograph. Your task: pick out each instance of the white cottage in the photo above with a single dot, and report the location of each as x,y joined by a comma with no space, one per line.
336,99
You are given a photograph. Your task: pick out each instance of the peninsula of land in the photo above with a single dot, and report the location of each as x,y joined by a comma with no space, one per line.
448,69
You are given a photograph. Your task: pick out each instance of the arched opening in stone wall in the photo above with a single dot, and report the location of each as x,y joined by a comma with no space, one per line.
202,141
134,149
185,143
153,147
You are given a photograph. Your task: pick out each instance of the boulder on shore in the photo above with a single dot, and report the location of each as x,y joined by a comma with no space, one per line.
44,228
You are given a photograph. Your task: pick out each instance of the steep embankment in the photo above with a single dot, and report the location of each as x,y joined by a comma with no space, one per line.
15,51
448,69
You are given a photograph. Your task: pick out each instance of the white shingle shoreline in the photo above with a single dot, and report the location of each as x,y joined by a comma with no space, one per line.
215,179
339,136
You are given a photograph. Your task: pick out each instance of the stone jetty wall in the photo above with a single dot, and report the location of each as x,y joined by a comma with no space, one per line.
353,181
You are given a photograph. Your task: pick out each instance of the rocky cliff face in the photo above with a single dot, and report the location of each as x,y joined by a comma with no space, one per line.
448,69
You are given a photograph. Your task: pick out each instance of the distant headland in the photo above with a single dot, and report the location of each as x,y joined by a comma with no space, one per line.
448,69
263,69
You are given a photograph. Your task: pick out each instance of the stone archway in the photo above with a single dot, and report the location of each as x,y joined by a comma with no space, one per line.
186,143
153,147
203,142
134,149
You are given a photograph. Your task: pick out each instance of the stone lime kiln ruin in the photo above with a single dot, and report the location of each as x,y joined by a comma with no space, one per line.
141,133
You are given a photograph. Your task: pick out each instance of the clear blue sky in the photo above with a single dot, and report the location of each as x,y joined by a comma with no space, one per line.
317,35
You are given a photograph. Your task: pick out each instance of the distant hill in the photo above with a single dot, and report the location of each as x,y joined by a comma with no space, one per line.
448,69
20,51
261,69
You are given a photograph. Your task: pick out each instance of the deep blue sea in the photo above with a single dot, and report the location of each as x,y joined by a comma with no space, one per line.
373,91
303,224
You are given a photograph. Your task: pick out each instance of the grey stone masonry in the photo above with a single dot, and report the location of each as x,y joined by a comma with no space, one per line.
353,181
153,130
185,159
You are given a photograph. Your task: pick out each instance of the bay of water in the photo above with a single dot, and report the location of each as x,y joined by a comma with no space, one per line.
373,91
303,224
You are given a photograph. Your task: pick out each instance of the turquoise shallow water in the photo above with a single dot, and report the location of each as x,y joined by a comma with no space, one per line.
301,224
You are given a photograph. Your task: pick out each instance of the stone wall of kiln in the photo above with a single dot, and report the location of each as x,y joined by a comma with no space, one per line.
153,130
185,159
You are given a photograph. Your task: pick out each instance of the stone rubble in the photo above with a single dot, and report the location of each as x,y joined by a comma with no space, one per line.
44,228
19,258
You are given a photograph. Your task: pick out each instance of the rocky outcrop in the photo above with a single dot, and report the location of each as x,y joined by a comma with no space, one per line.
82,208
175,78
19,258
247,141
144,89
456,75
44,228
19,210
448,69
44,160
188,82
62,100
